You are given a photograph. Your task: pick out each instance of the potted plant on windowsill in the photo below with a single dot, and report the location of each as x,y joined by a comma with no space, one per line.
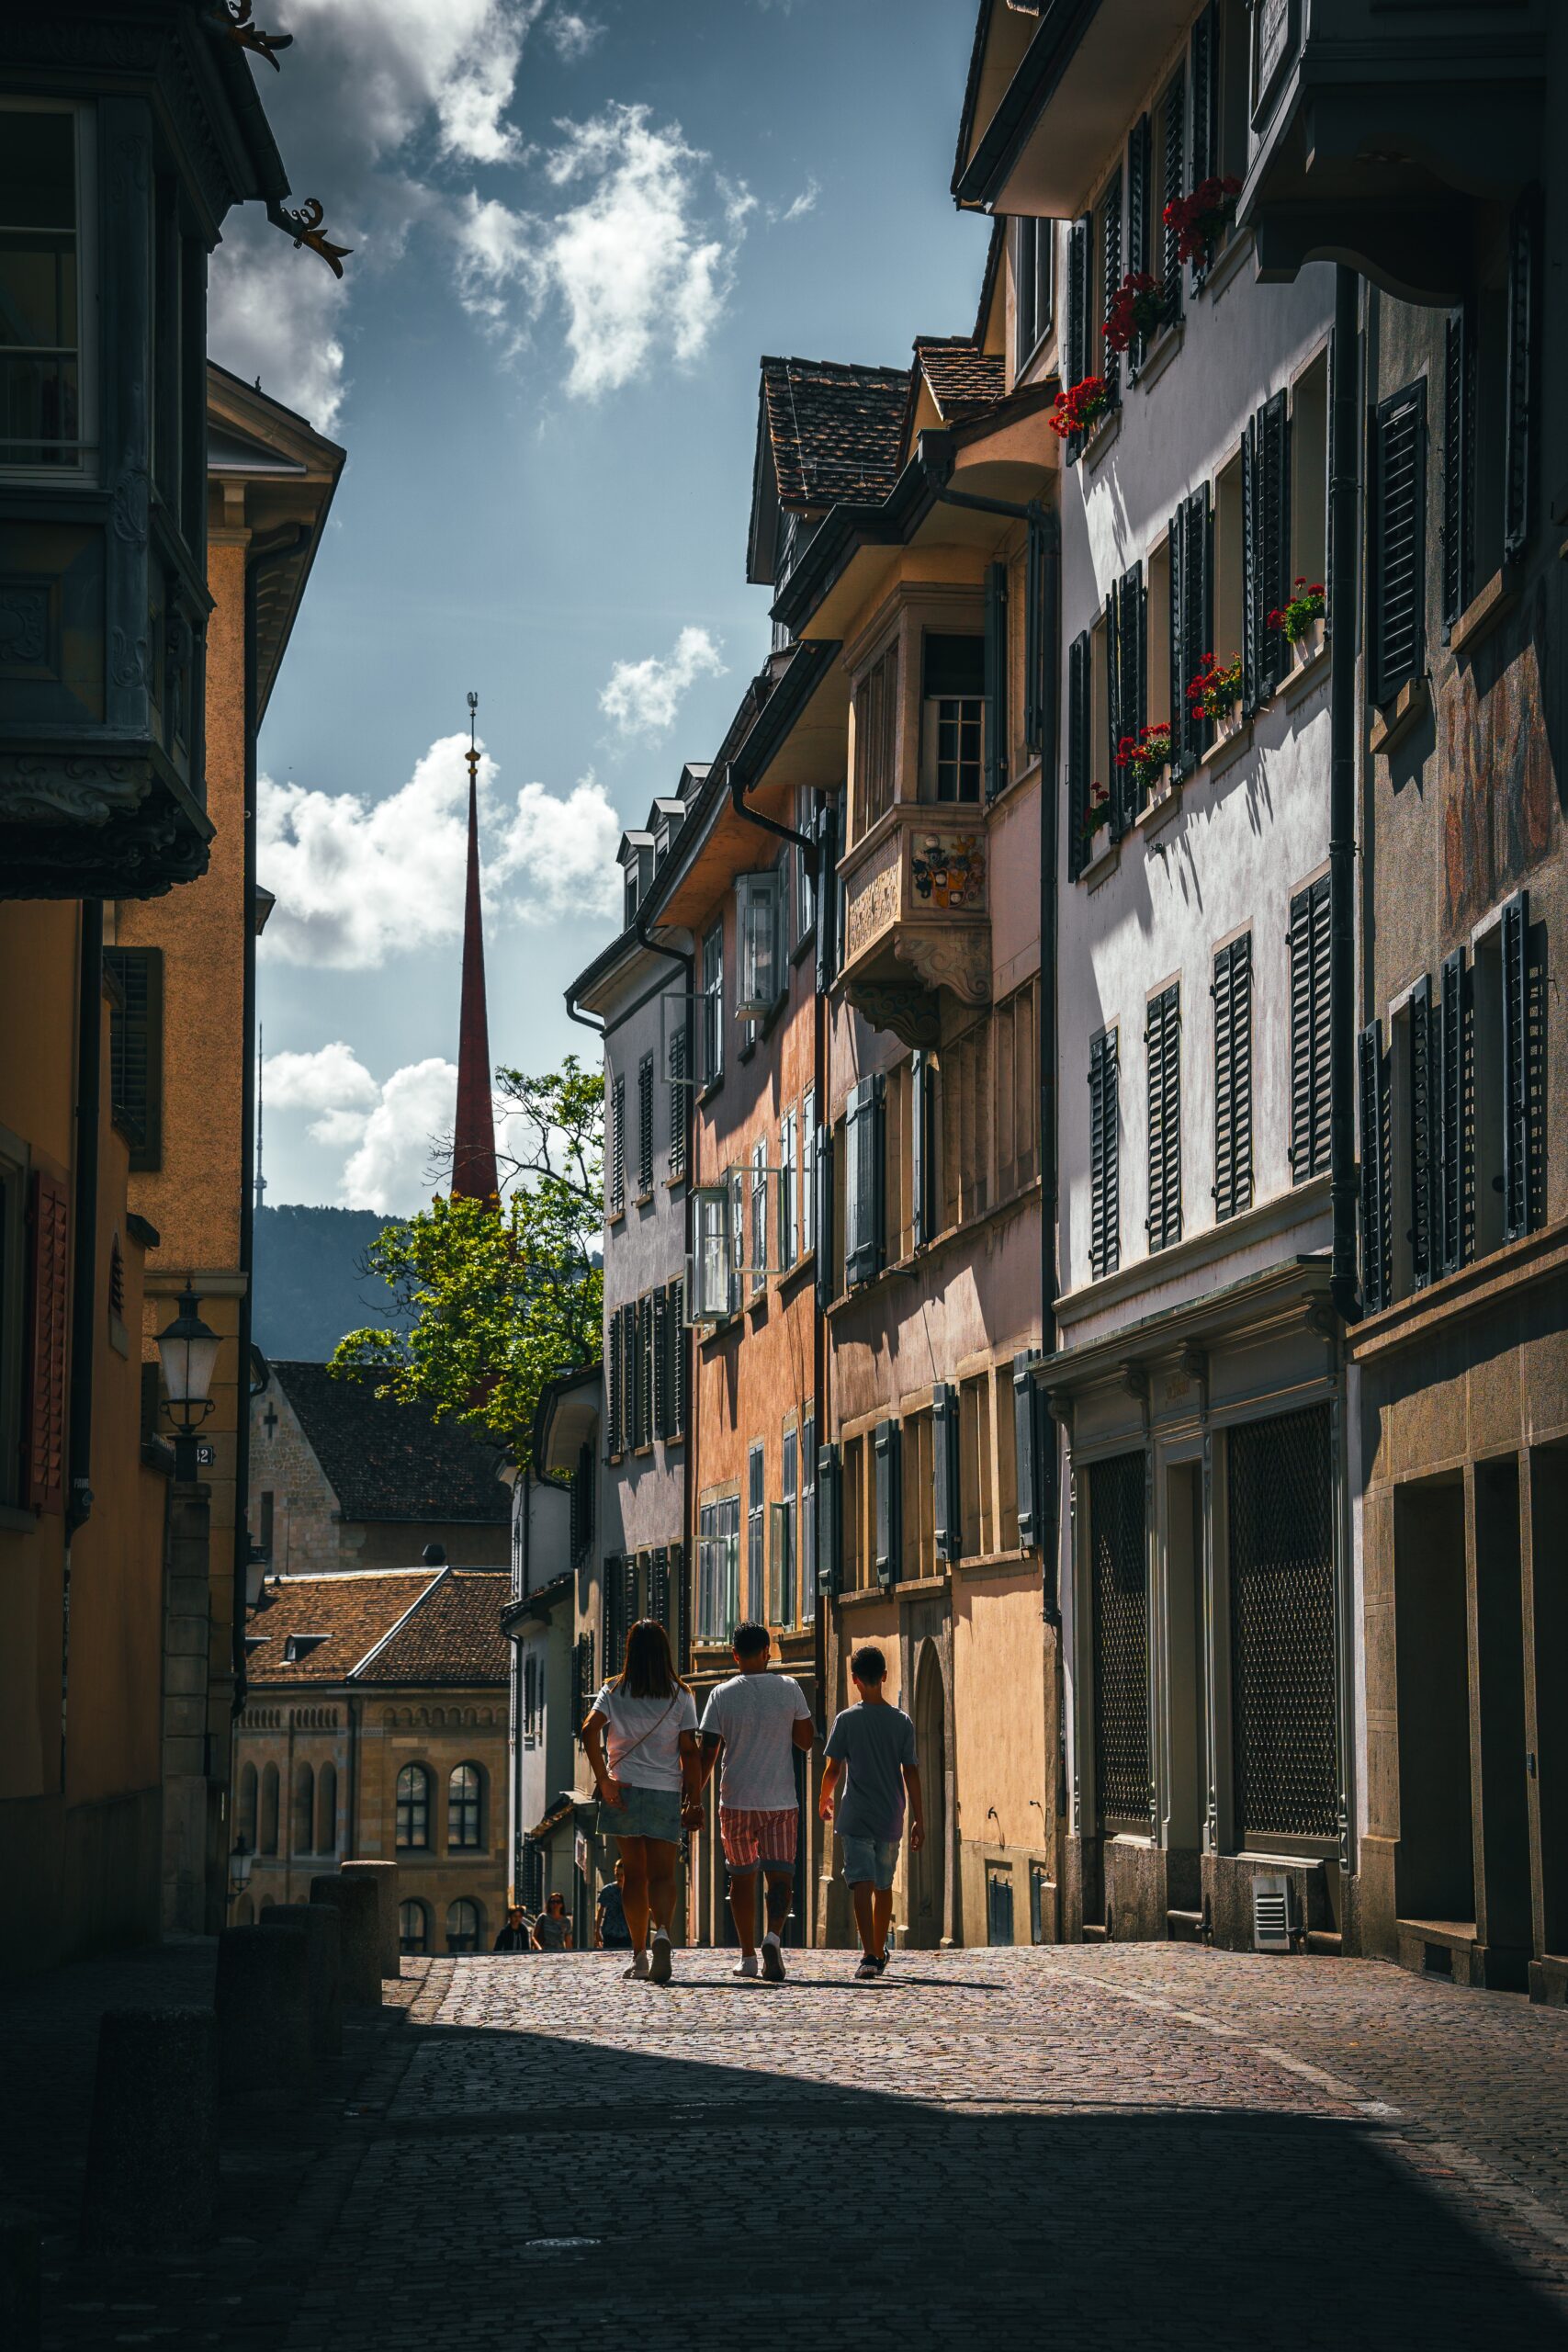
1302,622
1094,818
1146,758
1215,694
1078,411
1201,219
1138,309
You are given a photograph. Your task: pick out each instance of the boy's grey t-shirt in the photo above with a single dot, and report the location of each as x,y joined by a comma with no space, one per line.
875,1743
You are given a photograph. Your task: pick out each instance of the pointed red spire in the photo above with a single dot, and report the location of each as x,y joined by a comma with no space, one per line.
474,1176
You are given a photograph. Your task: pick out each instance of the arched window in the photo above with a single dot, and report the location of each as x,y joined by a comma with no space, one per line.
413,1806
414,1926
245,1827
268,1842
326,1810
304,1838
463,1805
463,1925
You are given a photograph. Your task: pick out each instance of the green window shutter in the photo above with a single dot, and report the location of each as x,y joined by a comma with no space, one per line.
1458,465
1131,634
885,1458
1273,538
1077,326
829,1520
920,1170
1029,1452
947,1513
1520,385
1078,753
1423,1118
1521,1074
613,1382
617,1146
822,1180
1039,635
1121,783
1310,1087
1373,1089
1139,155
996,678
1188,726
1162,1039
1173,182
136,1050
1205,144
1453,1116
662,1402
1232,991
1398,542
644,1124
1105,361
678,1104
864,1195
826,838
1105,1210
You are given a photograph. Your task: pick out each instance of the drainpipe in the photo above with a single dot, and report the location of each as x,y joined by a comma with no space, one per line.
807,847
1344,517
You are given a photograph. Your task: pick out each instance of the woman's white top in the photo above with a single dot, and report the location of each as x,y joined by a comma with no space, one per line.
646,1733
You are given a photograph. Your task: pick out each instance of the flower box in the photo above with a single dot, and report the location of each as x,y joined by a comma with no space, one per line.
1308,645
1079,410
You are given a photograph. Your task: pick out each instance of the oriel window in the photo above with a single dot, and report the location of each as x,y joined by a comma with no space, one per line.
953,739
44,162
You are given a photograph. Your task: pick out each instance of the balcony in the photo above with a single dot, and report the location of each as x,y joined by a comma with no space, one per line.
1381,131
917,918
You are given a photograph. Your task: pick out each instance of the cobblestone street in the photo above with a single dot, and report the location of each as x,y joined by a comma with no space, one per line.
1139,2143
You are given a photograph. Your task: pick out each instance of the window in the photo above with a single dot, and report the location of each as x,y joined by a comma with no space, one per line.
808,1169
898,1161
1189,632
712,1006
630,893
46,211
1170,178
783,1548
1126,637
1032,247
952,693
136,1049
462,1925
1105,1211
805,882
917,1522
1232,993
326,1809
876,740
245,1821
886,1498
964,1096
463,1793
414,1926
712,1263
1398,542
975,1520
758,978
1266,547
806,1524
413,1808
719,1569
1106,266
759,1214
268,1842
855,1545
1017,1072
530,1699
756,1532
645,1126
678,1105
1162,1041
1082,845
1228,589
864,1236
1310,1090
789,1190
617,1146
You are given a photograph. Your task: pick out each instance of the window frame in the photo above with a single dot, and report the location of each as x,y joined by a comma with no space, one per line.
413,1809
711,1008
86,473
465,1810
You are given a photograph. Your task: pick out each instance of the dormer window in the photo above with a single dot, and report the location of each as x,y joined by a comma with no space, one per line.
631,891
660,846
953,728
298,1647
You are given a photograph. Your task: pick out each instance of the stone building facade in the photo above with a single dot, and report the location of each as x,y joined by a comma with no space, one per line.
375,1729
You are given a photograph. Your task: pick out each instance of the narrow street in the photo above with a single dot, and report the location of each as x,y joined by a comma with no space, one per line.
1132,2144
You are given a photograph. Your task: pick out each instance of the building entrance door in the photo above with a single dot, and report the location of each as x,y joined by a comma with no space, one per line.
1187,1677
1435,1867
928,1869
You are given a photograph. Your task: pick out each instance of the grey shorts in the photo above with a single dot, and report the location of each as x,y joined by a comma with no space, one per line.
647,1813
876,1858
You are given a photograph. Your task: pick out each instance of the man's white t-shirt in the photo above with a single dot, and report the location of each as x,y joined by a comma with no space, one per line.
755,1715
642,1743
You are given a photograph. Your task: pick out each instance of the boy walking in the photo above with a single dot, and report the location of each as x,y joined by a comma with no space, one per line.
870,1756
757,1719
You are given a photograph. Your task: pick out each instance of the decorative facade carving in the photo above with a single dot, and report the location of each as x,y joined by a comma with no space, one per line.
913,1013
958,960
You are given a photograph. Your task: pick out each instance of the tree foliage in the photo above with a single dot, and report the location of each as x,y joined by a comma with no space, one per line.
495,1299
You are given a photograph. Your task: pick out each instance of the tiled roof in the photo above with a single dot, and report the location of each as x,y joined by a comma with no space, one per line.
453,1636
384,1460
963,378
354,1612
836,431
444,1623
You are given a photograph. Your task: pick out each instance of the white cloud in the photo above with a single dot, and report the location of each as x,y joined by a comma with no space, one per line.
391,1169
573,36
804,203
557,857
643,697
631,265
392,67
333,1082
277,314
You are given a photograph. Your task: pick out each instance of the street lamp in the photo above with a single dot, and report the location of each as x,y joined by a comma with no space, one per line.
188,1352
240,1860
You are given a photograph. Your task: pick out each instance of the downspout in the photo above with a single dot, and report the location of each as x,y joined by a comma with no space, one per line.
770,824
1343,518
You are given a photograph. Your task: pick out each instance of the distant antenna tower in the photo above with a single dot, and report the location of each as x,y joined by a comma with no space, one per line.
261,1057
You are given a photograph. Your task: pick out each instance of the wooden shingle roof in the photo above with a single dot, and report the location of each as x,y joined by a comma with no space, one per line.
408,1626
963,379
385,1460
835,430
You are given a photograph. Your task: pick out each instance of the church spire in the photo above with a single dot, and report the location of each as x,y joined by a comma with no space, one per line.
474,1174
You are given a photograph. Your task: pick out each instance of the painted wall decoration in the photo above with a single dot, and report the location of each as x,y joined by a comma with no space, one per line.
949,871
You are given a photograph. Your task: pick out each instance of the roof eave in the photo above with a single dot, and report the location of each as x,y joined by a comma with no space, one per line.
978,184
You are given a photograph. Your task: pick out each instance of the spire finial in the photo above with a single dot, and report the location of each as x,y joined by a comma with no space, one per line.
472,754
474,1175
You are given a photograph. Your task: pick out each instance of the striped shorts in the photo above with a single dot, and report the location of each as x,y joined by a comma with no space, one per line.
753,1840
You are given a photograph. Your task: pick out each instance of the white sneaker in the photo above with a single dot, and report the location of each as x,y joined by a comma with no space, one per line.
638,1966
659,1958
746,1965
772,1959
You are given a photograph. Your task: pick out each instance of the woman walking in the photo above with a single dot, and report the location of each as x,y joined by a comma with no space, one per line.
552,1928
641,1737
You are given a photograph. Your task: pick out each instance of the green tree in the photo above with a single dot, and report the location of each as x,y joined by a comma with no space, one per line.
493,1300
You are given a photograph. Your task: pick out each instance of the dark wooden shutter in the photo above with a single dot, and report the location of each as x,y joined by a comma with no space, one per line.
1078,313
1273,540
863,1210
1232,992
1173,185
1105,1222
829,1520
1162,1039
1132,673
49,1288
1519,390
947,1515
1206,149
1121,783
996,678
1520,1073
1458,465
1372,1088
1105,361
1311,1096
614,1401
663,1401
659,1589
822,1179
1079,706
1398,542
678,1104
136,1050
1196,618
1139,158
612,1633
826,836
680,1607
1028,1426
1453,1145
644,1124
1039,636
617,1146
1423,1119
680,1341
920,1169
1253,609
645,1365
1182,731
885,1456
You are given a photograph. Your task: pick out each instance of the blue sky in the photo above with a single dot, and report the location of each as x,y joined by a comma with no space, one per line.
576,227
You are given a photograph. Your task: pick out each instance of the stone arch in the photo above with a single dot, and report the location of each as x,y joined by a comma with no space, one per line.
928,1869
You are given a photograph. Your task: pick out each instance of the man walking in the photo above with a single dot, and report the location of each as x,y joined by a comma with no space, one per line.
871,1750
757,1719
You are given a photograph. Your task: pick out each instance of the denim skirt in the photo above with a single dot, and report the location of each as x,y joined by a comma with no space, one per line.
647,1813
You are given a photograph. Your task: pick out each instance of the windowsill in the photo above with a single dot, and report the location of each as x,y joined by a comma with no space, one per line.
1100,866
1225,750
618,1216
1158,356
980,1563
709,1087
642,1200
1101,439
806,941
914,1265
1238,245
1486,609
1396,719
1159,812
673,1181
864,1596
1277,1215
1307,676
